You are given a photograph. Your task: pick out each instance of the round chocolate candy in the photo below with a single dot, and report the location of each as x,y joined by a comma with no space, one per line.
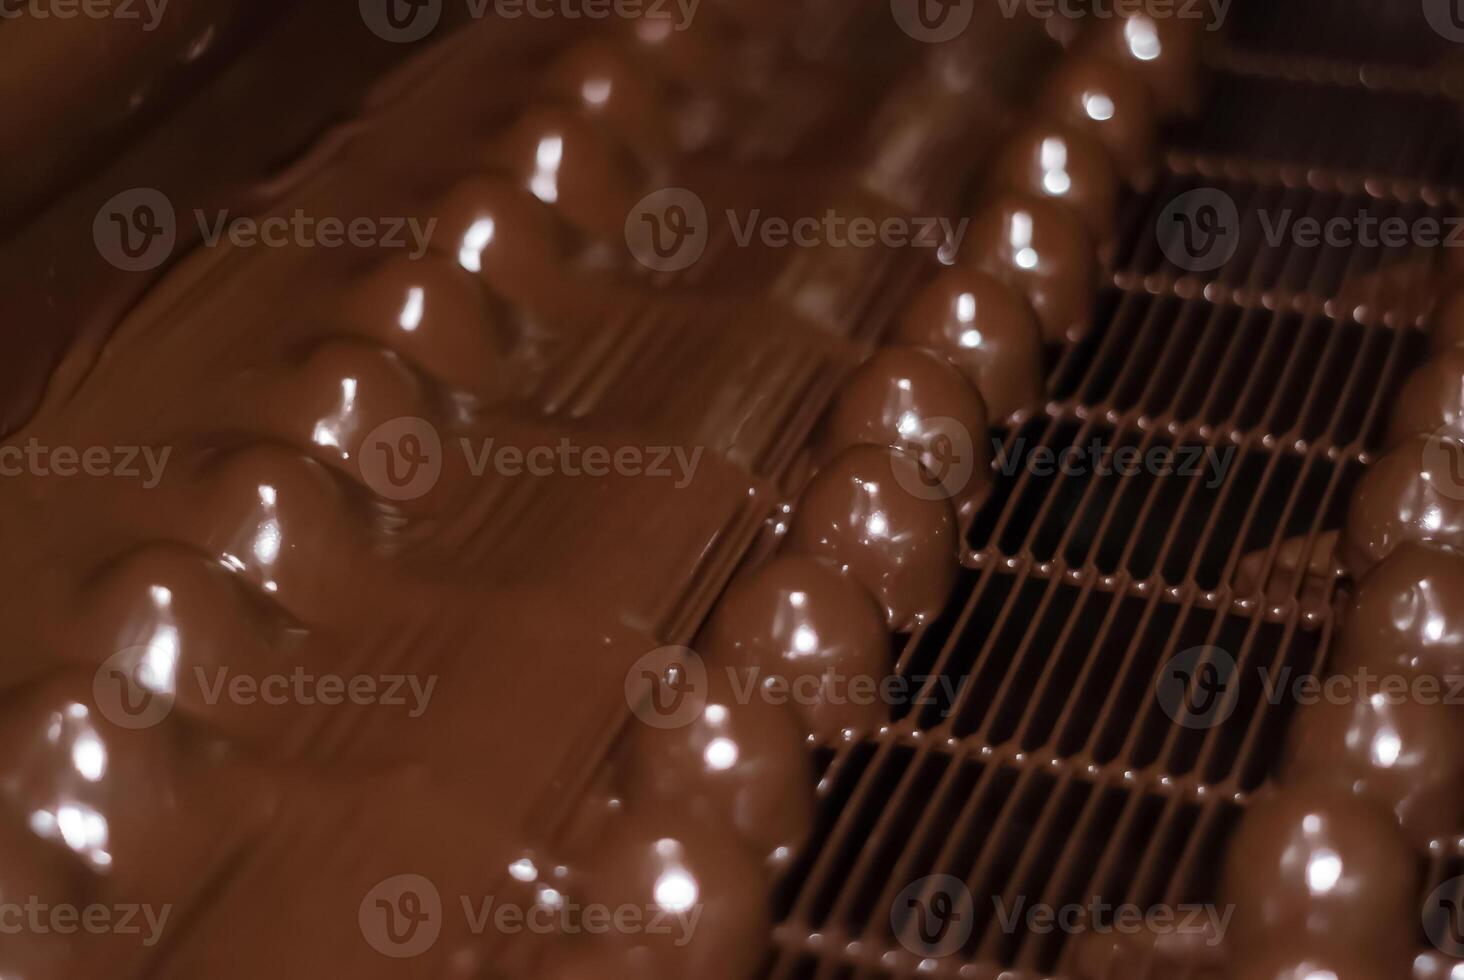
1415,492
1390,745
599,79
986,328
1162,51
703,887
1104,99
434,314
797,621
1407,615
574,167
1431,401
1068,165
1041,248
1315,863
913,399
742,758
877,514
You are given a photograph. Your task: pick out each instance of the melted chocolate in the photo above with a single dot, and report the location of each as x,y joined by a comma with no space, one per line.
796,619
1431,401
602,81
1066,164
1446,321
986,328
1407,614
1286,959
1314,863
1163,51
1413,493
740,759
1104,99
912,399
1390,748
1041,248
876,513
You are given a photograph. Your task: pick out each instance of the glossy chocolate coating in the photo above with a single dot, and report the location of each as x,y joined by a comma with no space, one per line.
1104,99
1068,165
797,618
912,399
1446,321
1431,401
1041,248
598,78
434,314
741,759
339,394
1163,51
504,235
1388,748
1285,959
874,512
1433,965
1312,862
574,167
987,329
1415,492
1407,615
663,863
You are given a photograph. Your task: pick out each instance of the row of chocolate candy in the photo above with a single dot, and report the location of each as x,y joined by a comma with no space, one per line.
1325,869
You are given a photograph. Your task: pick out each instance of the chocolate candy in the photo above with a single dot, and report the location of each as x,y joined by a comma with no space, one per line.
1164,52
1413,493
874,512
337,396
32,870
796,619
912,399
1068,165
574,167
1407,615
1041,248
698,880
741,759
1431,401
434,314
986,328
1313,863
1446,322
599,79
508,238
1390,747
1104,99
